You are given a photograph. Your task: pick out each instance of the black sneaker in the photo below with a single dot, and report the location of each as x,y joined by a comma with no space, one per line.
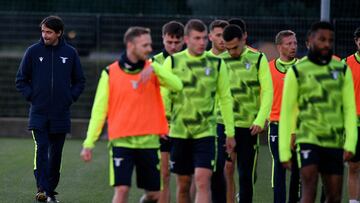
52,199
40,196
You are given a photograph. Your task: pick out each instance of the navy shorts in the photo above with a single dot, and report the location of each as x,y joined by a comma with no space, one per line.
356,157
188,154
122,163
165,144
328,160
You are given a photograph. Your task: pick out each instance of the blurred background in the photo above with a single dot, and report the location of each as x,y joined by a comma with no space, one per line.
96,29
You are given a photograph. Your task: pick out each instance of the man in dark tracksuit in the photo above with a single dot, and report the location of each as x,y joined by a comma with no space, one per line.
50,77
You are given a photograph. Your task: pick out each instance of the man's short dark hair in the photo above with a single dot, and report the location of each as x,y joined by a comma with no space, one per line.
133,32
357,33
282,34
54,23
218,23
239,22
195,24
321,25
173,28
231,32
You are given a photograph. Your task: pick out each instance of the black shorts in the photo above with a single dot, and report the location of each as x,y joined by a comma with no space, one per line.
328,160
356,157
146,161
165,144
188,154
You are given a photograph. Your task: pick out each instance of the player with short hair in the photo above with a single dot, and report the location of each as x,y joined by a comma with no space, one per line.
216,29
193,124
173,41
286,44
218,183
353,61
319,98
251,87
128,96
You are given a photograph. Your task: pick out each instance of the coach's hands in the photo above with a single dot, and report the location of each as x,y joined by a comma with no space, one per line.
230,144
86,154
255,129
347,155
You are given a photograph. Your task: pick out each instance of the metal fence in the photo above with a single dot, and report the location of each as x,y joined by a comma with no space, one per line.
278,8
98,38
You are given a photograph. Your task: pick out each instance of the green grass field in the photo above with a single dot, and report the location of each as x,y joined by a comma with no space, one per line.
87,183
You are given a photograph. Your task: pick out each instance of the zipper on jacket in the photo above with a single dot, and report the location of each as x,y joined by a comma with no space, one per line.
52,75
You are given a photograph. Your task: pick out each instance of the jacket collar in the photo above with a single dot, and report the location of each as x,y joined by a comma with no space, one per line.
128,66
165,53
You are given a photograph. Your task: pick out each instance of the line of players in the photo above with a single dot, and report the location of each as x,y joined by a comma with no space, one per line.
230,94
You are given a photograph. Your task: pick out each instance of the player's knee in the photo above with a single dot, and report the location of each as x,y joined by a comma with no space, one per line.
354,168
121,190
183,183
309,183
166,176
184,187
202,186
166,182
202,182
308,178
229,169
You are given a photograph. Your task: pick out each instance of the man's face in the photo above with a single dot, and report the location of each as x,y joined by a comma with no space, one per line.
288,47
321,42
172,44
216,38
50,37
235,47
196,42
140,47
357,42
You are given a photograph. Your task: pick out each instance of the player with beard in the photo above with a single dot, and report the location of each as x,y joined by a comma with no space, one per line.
128,96
321,90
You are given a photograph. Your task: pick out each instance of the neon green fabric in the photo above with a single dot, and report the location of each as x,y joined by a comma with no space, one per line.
287,65
324,96
357,56
283,66
160,58
212,54
251,87
204,77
